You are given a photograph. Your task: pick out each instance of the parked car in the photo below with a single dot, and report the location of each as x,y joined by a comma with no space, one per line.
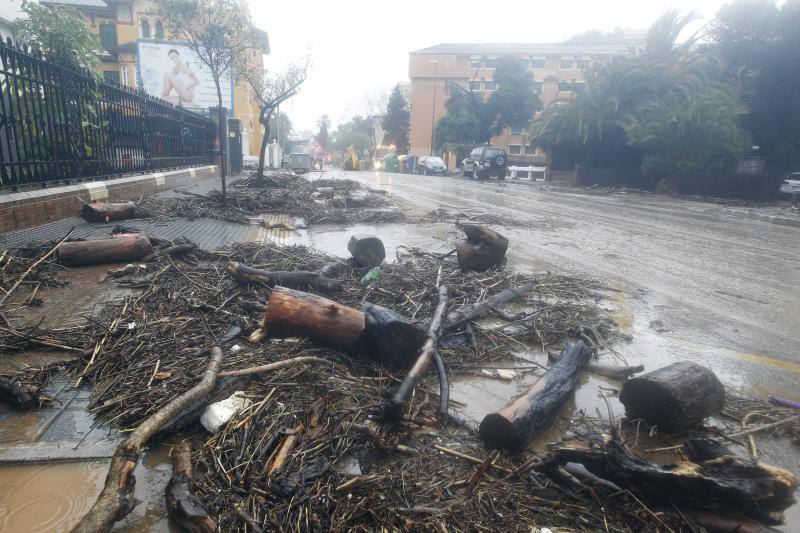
430,164
791,184
485,161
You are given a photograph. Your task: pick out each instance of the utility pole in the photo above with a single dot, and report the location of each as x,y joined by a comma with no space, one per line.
433,108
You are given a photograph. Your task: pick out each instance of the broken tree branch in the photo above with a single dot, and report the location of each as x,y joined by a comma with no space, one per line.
298,279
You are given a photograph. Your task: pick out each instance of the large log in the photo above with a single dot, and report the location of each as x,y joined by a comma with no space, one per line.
105,212
518,421
483,249
674,397
390,338
22,398
292,313
367,250
724,483
118,249
183,506
298,279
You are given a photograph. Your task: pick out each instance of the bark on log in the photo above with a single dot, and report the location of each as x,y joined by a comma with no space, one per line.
725,483
105,212
609,371
298,279
515,424
22,398
428,352
483,249
389,338
117,499
675,397
118,249
292,313
367,250
183,506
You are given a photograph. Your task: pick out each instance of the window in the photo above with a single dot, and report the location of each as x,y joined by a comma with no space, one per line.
124,14
530,150
108,36
489,85
515,149
516,130
474,86
111,76
567,64
538,63
475,63
490,62
123,75
583,63
159,30
144,28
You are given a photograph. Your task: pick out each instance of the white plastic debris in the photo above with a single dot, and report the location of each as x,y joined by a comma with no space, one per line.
132,325
235,348
217,414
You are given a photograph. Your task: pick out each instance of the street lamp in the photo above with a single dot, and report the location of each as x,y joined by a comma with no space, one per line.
433,109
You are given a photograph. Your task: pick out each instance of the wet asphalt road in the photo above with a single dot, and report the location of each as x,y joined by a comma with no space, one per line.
696,285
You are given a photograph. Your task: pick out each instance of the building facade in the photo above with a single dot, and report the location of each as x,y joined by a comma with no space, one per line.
558,71
121,25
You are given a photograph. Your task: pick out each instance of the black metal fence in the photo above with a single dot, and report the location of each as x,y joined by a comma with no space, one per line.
59,122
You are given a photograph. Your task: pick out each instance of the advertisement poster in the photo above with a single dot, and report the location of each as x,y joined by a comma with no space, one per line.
172,72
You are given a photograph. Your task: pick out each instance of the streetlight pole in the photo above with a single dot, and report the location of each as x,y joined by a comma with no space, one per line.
433,108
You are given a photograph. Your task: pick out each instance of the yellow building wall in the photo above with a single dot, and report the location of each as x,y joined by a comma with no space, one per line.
245,106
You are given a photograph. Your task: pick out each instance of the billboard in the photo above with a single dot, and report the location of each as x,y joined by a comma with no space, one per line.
172,71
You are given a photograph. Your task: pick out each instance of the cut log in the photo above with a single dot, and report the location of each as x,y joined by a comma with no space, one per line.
22,398
723,484
292,313
106,212
609,371
298,279
483,249
389,338
427,354
118,249
367,250
520,420
674,397
183,506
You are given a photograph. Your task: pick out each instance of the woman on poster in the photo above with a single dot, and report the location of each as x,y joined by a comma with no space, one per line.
179,79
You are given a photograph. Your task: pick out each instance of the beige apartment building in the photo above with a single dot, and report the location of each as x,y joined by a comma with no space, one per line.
121,25
558,70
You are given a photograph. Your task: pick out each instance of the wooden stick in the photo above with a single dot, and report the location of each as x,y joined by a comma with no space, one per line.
183,506
478,309
275,366
31,268
117,499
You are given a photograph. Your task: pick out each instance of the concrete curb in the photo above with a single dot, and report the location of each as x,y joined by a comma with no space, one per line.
761,217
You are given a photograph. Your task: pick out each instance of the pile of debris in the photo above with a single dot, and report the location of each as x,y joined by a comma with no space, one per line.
298,379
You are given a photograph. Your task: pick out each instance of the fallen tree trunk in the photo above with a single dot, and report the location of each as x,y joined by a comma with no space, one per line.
117,499
724,483
609,371
367,251
390,338
428,352
674,397
483,249
298,279
118,249
22,398
183,506
106,212
515,424
292,313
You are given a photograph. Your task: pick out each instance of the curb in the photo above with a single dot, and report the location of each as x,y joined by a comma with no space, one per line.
761,217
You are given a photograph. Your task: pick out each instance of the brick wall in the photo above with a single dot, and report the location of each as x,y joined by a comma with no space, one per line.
26,209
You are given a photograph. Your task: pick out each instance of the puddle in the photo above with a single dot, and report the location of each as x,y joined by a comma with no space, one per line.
436,237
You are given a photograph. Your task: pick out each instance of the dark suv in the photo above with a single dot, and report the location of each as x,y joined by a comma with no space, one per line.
484,161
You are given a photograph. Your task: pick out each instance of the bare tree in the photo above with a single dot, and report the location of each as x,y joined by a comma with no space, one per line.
271,91
222,36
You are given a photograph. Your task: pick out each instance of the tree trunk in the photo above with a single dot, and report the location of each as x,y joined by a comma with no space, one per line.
105,212
183,506
20,397
520,420
390,338
118,249
264,143
292,313
298,279
483,249
609,371
675,397
367,250
726,484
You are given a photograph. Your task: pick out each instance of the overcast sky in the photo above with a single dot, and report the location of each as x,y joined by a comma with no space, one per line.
358,47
